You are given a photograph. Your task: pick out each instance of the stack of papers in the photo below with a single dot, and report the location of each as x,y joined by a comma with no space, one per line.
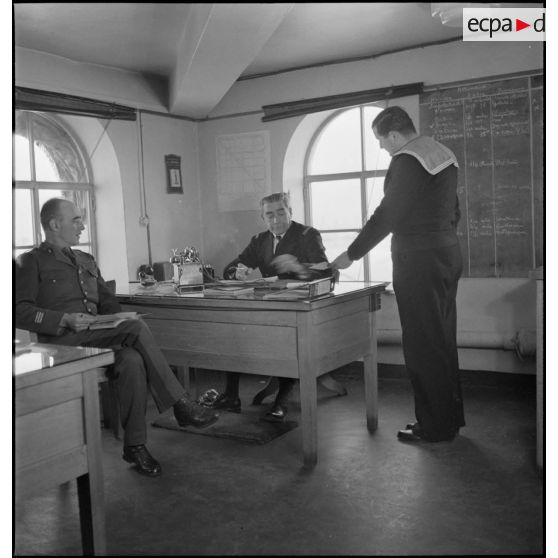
290,290
228,291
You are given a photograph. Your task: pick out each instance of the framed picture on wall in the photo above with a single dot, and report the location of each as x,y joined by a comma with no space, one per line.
174,174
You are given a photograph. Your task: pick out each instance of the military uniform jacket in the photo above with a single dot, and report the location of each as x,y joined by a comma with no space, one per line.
49,284
305,243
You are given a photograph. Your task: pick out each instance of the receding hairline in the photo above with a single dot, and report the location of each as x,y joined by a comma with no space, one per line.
51,210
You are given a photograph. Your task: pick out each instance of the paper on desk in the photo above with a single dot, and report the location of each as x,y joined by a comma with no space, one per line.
103,318
248,283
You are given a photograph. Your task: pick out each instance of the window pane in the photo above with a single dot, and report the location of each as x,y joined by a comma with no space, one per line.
337,243
85,248
336,204
338,148
22,160
57,156
374,157
23,218
380,256
45,169
80,198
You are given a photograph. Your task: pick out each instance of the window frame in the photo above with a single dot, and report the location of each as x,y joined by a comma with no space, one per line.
362,176
35,186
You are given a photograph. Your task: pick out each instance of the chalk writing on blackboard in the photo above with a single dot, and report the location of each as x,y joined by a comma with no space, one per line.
495,129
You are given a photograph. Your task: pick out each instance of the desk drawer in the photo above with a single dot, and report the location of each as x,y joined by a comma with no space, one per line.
48,432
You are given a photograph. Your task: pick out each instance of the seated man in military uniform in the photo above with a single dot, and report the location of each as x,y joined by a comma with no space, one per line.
59,294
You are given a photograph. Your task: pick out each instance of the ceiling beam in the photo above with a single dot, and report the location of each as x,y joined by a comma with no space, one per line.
218,43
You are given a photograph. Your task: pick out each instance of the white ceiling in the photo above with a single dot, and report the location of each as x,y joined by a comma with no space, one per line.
202,49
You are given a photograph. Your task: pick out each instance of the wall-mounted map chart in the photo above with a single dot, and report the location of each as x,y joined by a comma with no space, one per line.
243,170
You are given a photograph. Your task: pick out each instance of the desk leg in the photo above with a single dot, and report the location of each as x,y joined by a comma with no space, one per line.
371,378
308,389
90,485
187,377
85,515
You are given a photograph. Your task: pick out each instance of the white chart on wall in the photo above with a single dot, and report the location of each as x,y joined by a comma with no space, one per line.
243,170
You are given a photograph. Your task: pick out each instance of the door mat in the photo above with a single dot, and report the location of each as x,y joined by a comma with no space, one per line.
246,426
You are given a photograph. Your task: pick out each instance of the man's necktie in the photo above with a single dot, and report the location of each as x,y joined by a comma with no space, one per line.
276,240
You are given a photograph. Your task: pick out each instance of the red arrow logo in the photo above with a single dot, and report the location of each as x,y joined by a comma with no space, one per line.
519,25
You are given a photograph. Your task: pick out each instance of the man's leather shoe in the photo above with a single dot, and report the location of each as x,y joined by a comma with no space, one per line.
225,403
408,435
276,414
417,434
188,413
145,463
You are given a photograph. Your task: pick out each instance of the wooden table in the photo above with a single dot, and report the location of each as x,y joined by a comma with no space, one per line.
299,339
57,428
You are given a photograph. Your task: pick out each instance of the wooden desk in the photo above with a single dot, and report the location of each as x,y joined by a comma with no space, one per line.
57,428
294,339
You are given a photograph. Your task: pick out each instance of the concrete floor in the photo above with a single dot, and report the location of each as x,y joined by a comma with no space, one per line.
369,494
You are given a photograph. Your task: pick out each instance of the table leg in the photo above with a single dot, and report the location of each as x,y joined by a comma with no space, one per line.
90,486
187,377
308,411
371,378
85,516
308,390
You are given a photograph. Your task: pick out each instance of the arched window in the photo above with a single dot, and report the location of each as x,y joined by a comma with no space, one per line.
48,163
343,184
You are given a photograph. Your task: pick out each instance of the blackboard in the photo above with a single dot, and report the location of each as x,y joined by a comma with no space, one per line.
495,128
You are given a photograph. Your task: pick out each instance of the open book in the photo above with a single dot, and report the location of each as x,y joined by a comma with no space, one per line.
108,321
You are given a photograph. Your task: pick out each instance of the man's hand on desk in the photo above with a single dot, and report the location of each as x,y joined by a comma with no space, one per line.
342,261
242,272
77,322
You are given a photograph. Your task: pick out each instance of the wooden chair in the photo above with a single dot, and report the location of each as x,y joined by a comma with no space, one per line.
109,400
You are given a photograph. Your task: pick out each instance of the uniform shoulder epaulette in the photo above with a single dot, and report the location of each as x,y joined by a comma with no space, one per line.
30,253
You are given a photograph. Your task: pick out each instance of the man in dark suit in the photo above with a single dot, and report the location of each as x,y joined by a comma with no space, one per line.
59,294
282,249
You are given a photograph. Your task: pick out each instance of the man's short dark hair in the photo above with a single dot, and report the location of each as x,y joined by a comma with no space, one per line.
51,210
277,197
393,119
